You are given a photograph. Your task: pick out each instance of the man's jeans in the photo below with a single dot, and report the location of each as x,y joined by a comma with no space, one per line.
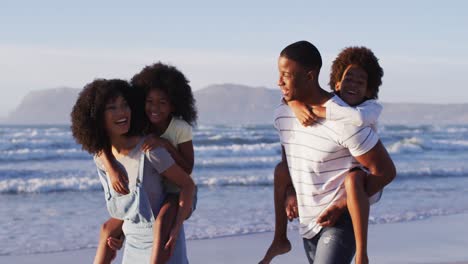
333,245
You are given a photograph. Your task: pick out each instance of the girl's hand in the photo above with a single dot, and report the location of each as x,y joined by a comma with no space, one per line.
119,180
303,113
171,242
115,243
152,142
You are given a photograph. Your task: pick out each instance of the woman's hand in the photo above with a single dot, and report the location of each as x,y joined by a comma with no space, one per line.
171,242
115,243
152,142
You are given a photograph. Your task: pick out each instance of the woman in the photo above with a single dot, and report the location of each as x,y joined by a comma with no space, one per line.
102,120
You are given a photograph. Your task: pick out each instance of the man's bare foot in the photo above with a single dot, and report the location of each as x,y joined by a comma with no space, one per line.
277,247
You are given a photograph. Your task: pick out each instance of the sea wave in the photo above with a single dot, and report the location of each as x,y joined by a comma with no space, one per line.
26,181
52,184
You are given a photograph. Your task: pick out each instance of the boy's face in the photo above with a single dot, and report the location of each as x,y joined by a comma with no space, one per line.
353,85
292,79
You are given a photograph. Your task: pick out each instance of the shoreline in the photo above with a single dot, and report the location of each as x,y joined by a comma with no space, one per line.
440,239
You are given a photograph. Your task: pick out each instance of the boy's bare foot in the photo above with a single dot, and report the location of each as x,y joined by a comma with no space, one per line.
277,247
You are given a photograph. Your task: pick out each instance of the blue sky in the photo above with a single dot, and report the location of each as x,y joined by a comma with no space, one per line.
422,45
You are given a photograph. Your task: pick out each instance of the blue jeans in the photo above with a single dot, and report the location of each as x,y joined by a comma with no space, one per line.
332,245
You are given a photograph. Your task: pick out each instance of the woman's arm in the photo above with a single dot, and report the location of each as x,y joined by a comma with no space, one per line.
187,188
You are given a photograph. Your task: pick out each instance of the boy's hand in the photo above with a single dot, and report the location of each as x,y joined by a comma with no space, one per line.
290,204
332,214
152,142
303,113
171,242
115,243
119,180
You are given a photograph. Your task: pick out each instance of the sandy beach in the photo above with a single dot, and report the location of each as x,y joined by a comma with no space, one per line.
442,239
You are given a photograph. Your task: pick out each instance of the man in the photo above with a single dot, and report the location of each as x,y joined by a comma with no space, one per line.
320,156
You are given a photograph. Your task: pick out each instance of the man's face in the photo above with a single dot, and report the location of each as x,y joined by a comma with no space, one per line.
292,79
353,85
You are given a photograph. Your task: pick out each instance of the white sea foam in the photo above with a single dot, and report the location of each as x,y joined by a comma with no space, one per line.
413,144
44,185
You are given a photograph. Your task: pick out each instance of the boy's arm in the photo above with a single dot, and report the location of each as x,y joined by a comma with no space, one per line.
364,114
303,112
118,178
183,156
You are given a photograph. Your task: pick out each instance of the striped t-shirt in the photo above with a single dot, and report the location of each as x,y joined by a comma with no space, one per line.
319,157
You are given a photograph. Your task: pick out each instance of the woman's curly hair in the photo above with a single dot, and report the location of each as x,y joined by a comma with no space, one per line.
363,58
174,83
87,116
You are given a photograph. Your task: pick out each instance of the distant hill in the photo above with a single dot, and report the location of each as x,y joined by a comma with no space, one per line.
51,106
229,104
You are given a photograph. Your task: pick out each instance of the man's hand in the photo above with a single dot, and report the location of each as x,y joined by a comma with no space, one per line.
290,204
303,113
332,214
152,142
119,180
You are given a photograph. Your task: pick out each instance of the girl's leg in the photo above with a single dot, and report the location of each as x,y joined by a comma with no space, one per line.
111,228
162,228
358,207
280,244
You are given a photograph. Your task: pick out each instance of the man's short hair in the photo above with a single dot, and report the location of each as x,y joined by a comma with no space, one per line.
304,53
363,58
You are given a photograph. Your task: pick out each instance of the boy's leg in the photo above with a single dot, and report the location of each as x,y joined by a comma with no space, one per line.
358,206
111,228
162,228
280,244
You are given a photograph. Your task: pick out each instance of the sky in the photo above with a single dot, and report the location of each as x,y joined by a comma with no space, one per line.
422,45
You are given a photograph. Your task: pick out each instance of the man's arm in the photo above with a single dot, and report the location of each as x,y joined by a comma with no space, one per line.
381,168
290,199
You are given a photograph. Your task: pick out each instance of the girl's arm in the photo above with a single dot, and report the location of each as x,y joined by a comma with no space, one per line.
364,114
183,156
118,177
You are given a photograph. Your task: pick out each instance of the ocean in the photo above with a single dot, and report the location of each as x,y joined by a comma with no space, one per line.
51,198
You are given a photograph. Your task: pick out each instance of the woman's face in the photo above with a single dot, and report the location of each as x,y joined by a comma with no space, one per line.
117,116
158,107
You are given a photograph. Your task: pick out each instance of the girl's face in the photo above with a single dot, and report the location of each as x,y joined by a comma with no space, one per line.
117,116
158,107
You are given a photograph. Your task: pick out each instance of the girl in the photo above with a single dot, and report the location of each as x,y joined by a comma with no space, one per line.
102,119
169,115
